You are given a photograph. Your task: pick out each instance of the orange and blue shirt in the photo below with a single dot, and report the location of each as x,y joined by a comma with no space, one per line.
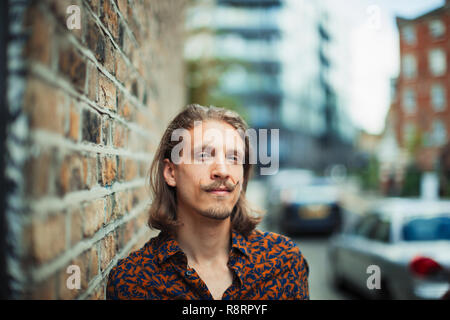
265,266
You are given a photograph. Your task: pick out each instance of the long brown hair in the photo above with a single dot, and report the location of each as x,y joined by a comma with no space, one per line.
162,213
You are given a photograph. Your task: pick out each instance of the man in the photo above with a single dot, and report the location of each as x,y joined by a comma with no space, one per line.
208,247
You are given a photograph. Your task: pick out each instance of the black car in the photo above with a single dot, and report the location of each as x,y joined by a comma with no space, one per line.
311,209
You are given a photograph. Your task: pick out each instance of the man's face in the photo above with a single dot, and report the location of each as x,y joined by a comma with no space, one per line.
209,178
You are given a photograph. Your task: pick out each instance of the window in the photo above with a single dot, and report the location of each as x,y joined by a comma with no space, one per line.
409,101
366,225
437,62
382,231
409,66
438,99
427,229
409,131
409,34
437,28
438,133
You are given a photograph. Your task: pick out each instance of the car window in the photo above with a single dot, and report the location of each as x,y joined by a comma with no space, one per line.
426,229
366,225
382,230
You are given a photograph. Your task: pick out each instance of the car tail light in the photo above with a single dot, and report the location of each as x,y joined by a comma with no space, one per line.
424,266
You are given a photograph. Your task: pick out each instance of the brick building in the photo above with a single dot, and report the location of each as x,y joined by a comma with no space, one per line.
86,111
422,101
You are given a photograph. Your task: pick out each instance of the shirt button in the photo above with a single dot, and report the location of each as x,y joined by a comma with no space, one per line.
189,273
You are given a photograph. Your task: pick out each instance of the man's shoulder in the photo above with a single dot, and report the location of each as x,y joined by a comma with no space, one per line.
132,264
272,244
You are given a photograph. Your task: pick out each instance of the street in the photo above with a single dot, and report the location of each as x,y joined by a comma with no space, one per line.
313,248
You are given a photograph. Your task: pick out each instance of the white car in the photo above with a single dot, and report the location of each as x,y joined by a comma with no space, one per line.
407,241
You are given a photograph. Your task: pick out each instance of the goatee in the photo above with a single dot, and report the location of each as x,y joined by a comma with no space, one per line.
217,213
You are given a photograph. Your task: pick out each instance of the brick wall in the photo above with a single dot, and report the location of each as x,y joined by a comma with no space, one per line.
424,115
90,106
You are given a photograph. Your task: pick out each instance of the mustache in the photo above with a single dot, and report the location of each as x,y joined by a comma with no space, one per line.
220,184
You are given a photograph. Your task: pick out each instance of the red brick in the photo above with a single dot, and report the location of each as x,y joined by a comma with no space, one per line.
123,5
122,72
37,169
74,123
76,226
109,17
94,215
110,57
45,106
48,237
90,171
93,264
95,5
108,250
130,169
108,170
38,46
93,82
73,66
120,175
95,41
119,135
91,126
71,174
107,93
115,206
125,108
106,131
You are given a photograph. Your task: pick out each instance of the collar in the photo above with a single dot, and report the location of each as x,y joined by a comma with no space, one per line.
169,247
240,243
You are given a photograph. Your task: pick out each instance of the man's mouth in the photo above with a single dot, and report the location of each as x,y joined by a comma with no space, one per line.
220,191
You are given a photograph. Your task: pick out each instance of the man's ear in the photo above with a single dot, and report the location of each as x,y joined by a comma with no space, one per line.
169,173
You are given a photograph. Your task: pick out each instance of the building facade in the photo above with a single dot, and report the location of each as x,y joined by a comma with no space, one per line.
422,106
284,65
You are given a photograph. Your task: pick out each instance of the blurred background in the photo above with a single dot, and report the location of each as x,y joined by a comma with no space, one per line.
358,90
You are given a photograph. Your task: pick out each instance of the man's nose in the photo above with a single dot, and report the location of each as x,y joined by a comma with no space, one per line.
220,169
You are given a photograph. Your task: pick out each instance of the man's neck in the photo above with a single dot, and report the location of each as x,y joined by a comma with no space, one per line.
204,240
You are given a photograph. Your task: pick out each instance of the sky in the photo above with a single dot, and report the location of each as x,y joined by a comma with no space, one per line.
374,51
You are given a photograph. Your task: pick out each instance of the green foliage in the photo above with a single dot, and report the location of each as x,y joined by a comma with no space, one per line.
203,79
411,184
415,142
369,175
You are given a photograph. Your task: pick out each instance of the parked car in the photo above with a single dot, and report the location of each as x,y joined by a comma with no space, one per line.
408,239
278,190
310,208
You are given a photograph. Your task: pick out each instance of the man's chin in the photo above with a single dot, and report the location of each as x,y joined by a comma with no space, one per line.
216,214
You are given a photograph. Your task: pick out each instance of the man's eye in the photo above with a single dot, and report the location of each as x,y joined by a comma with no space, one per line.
203,155
234,158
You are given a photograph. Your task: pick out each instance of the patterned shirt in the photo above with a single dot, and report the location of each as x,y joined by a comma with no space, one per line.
265,266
